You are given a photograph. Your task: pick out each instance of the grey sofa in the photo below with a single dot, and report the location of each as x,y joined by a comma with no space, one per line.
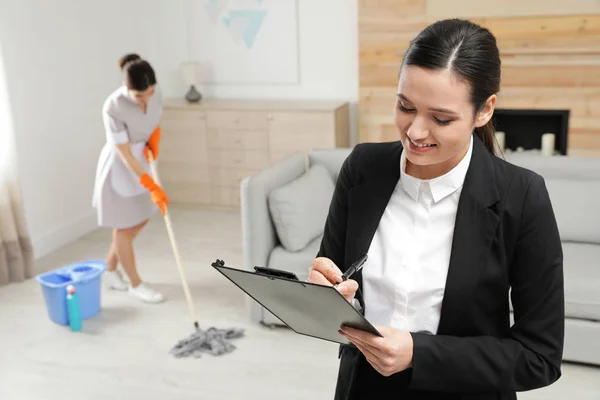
574,187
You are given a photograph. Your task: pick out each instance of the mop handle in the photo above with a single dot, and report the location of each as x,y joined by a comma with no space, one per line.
186,289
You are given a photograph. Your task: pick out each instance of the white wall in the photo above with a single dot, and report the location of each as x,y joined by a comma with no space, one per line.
61,62
60,59
328,60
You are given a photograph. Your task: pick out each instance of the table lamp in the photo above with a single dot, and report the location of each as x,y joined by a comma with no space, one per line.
191,75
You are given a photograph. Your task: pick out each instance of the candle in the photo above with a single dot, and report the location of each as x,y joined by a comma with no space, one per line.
501,140
548,144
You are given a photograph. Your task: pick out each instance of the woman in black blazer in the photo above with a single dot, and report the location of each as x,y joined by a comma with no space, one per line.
452,232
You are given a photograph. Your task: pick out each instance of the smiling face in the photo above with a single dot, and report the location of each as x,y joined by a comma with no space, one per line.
435,119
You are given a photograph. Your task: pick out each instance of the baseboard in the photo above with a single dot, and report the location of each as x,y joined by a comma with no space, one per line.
64,235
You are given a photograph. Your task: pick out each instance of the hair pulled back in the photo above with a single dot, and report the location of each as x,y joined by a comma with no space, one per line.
468,50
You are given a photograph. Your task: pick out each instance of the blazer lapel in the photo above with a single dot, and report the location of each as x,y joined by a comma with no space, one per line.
366,204
474,231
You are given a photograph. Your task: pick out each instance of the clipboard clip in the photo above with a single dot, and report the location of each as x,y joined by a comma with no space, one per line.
276,273
270,272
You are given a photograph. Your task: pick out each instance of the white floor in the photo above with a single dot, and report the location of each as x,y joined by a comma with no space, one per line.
123,353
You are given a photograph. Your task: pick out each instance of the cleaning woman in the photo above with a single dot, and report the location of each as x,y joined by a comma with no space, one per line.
125,194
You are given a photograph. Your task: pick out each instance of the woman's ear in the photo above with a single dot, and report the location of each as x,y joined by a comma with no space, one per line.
486,112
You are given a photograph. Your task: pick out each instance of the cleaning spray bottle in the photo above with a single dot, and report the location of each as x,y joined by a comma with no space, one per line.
73,308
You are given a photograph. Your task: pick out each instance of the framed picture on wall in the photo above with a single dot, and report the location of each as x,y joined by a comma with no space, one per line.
244,41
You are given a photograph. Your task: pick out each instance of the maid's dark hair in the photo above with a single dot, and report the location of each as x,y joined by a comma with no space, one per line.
138,73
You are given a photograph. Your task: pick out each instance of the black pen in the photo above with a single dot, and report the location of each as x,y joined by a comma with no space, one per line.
355,267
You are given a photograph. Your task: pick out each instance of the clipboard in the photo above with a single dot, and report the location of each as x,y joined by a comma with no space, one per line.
307,308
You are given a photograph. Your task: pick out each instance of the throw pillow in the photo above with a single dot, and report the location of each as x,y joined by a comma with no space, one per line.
299,209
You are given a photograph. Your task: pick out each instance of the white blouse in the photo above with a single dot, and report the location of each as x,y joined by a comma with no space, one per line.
405,275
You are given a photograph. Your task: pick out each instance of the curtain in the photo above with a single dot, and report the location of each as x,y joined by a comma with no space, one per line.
16,252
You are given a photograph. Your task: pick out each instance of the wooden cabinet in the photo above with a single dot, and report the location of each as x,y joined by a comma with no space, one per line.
183,156
207,149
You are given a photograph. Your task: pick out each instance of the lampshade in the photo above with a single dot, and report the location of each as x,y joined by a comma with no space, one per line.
191,72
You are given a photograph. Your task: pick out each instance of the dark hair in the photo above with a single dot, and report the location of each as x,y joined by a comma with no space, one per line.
471,52
138,73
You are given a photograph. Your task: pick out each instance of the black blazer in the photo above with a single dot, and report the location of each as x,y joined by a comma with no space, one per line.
506,240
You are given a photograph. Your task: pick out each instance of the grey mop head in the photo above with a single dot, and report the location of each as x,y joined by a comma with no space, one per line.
213,341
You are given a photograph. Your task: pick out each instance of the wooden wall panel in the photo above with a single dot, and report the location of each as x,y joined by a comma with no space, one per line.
550,58
386,16
551,76
583,102
565,59
584,141
539,35
437,9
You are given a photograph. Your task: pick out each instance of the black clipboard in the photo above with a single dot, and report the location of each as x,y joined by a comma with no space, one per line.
307,308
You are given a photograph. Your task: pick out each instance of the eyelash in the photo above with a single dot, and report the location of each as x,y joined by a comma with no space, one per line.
438,121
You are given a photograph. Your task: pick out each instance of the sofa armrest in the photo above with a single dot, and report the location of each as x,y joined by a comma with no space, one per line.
259,237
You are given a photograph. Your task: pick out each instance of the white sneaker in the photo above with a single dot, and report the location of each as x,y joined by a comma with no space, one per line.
114,280
146,294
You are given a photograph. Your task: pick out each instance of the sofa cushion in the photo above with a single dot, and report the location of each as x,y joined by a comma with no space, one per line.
574,187
582,280
574,203
295,261
299,209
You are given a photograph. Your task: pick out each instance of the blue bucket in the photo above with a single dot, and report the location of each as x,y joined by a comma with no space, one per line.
85,276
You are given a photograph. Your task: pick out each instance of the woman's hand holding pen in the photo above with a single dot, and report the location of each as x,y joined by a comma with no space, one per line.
324,272
389,354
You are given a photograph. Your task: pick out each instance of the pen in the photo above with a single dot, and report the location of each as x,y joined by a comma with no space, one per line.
355,267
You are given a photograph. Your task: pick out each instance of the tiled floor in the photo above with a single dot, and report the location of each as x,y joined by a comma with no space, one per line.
123,353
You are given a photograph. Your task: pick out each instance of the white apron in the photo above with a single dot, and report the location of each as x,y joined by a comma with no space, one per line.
122,180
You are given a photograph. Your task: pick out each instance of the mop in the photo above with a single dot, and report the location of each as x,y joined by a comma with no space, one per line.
213,341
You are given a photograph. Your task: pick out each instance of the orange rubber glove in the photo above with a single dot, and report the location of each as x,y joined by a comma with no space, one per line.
159,197
153,144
